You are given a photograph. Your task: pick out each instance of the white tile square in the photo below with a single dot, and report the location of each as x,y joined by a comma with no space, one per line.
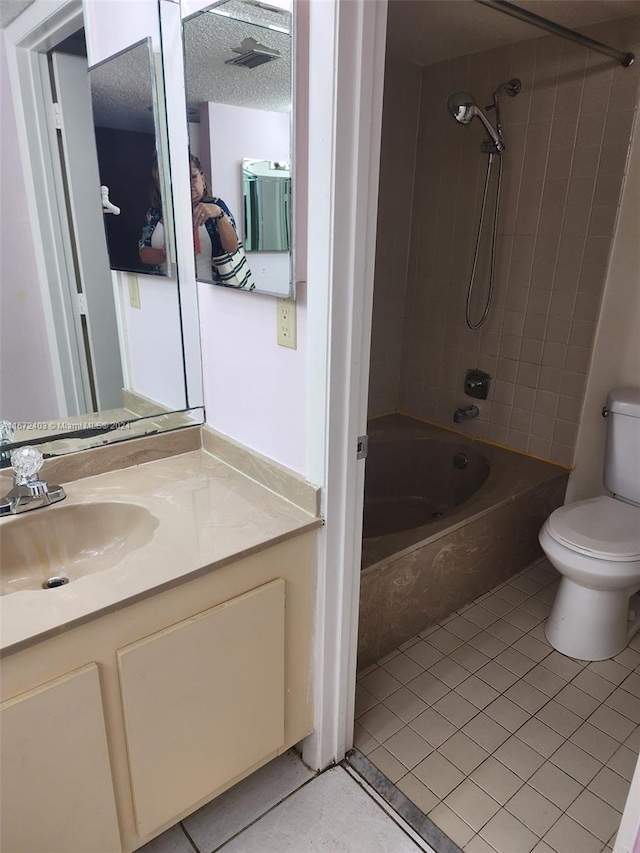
487,644
567,835
534,810
497,780
496,605
521,619
486,732
577,701
596,816
480,616
526,584
559,718
611,788
563,666
472,804
433,727
444,640
496,676
614,724
428,688
449,672
364,700
424,654
229,813
468,657
408,747
595,742
362,740
556,785
623,762
438,774
519,757
405,704
381,723
478,845
477,691
537,608
633,741
465,753
511,594
505,631
593,684
506,834
387,764
507,713
629,658
418,793
452,825
528,697
609,669
403,668
455,708
540,737
515,661
625,703
576,762
543,679
380,683
463,628
532,648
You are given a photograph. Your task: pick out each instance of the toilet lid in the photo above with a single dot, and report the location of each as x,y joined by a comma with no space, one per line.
603,527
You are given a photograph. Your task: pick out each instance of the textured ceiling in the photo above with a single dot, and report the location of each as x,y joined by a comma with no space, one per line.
209,38
121,94
427,31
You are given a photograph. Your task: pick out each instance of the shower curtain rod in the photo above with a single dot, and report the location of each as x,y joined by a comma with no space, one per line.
625,59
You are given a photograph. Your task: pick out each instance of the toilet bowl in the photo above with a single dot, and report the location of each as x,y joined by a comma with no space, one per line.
595,545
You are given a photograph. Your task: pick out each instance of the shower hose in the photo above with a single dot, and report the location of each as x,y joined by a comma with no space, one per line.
492,262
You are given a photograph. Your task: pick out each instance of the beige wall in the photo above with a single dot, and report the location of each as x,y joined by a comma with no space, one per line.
397,168
616,350
567,137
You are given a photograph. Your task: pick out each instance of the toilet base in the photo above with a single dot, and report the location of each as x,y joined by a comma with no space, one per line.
590,624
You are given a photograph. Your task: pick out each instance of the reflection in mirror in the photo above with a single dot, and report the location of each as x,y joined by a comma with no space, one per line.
266,187
125,116
104,362
238,79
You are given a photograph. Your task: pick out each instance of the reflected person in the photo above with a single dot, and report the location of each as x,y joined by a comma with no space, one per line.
151,246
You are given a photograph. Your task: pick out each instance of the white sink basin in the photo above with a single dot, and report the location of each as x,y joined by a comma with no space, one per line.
69,542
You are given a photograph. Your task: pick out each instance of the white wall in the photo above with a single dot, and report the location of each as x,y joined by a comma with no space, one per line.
616,353
235,133
27,390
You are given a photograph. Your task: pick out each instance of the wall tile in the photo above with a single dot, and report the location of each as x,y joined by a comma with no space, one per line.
567,138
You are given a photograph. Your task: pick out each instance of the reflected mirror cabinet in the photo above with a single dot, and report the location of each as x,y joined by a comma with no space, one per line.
119,353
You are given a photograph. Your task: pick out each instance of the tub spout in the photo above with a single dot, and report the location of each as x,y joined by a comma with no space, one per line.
466,414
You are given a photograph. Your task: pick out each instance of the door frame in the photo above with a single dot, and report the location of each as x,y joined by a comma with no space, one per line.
38,29
346,56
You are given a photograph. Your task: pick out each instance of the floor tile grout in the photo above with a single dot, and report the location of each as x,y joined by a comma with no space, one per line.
574,669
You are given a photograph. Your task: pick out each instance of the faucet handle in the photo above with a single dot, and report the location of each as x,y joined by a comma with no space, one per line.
26,462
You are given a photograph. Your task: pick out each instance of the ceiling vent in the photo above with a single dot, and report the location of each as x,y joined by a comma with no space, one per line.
252,54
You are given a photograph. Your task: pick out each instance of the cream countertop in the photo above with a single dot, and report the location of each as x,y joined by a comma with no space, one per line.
208,515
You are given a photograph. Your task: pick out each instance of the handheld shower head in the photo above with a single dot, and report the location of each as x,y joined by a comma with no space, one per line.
463,108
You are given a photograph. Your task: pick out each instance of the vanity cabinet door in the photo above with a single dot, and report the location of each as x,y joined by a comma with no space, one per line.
203,702
57,790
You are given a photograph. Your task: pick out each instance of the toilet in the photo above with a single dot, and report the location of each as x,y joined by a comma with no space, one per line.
595,545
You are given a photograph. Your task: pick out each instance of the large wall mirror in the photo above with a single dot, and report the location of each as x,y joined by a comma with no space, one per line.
108,361
238,60
131,160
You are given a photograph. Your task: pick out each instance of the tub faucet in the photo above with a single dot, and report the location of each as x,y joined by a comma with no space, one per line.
466,414
28,492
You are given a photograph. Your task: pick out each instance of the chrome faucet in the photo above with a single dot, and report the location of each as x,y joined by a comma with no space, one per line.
28,492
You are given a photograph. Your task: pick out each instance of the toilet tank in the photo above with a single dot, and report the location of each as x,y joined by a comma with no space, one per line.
622,450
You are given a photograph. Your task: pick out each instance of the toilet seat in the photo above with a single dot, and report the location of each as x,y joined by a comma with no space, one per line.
603,528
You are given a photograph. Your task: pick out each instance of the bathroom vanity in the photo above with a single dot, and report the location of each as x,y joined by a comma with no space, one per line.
138,692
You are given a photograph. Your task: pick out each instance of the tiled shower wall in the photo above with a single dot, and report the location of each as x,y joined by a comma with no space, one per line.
567,136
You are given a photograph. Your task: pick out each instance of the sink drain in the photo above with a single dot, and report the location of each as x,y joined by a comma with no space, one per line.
52,583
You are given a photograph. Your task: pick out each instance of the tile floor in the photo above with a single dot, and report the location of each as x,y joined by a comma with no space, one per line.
507,745
285,808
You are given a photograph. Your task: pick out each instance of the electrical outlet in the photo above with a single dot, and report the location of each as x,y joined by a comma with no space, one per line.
134,290
286,310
